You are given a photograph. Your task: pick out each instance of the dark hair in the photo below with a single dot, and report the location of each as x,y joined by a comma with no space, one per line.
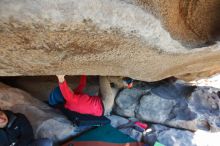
128,80
2,110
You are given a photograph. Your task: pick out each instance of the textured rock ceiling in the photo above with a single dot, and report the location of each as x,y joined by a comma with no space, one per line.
148,40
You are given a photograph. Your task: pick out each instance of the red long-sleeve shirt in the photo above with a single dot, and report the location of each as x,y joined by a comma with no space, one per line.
79,102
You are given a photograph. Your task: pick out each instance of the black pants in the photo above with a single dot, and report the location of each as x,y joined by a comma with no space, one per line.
84,119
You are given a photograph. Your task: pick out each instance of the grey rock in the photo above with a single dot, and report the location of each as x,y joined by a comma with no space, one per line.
206,104
117,121
127,101
169,136
153,108
172,103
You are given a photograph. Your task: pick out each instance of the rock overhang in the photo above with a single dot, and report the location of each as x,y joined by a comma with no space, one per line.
138,39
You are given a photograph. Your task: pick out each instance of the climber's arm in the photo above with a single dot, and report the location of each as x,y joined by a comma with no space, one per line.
81,85
67,93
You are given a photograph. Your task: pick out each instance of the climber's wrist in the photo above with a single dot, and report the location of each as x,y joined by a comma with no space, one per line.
61,78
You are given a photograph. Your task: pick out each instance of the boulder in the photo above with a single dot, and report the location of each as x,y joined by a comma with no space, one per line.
46,122
169,136
143,39
117,121
172,103
206,104
185,19
127,101
178,137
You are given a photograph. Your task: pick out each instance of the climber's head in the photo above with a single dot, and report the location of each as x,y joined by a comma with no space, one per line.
3,119
128,82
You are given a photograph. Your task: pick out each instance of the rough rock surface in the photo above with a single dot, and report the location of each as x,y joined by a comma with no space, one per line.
177,137
172,103
45,121
169,136
191,22
144,39
117,121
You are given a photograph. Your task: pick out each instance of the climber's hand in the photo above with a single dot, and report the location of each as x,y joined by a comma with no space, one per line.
61,78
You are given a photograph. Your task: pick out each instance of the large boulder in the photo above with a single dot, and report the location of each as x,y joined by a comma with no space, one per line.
144,39
193,23
172,103
46,122
126,127
178,137
127,101
169,136
206,104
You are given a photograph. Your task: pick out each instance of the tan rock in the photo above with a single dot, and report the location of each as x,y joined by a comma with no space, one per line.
148,40
194,23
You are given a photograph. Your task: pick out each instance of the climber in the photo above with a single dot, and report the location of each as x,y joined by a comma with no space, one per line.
76,100
15,130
